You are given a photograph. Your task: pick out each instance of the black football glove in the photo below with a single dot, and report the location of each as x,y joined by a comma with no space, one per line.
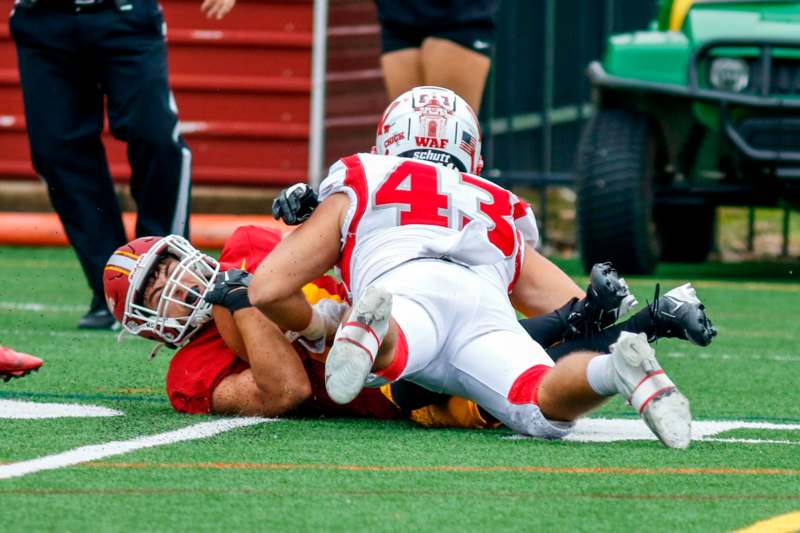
295,204
230,290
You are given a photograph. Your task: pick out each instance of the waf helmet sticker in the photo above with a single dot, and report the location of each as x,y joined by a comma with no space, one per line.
433,112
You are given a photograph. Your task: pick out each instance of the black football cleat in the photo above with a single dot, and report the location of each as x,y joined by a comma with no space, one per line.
607,299
680,314
98,317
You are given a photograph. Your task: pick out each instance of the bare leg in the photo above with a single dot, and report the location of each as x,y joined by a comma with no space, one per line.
565,393
582,381
450,65
385,355
402,71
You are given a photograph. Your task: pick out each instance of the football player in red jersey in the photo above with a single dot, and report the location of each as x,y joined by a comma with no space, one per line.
15,364
231,359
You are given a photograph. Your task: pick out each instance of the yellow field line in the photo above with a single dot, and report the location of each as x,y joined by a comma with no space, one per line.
785,523
457,468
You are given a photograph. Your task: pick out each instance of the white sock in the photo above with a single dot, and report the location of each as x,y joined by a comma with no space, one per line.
316,328
600,374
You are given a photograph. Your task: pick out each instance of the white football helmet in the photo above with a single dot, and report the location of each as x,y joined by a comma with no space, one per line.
431,124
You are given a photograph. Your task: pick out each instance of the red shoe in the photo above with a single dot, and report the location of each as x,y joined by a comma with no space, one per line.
16,365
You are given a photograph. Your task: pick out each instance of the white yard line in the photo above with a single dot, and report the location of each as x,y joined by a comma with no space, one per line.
629,429
110,449
20,410
755,441
41,308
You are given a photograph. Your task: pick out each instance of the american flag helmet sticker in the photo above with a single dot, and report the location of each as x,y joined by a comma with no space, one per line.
468,143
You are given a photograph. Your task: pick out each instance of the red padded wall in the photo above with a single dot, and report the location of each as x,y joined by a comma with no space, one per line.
242,86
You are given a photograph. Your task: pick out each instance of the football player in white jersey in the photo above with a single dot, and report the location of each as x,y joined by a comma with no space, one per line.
433,257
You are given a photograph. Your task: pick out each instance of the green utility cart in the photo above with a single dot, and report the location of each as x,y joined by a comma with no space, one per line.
699,111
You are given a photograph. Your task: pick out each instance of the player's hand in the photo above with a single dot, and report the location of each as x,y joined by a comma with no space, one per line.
295,204
216,9
230,290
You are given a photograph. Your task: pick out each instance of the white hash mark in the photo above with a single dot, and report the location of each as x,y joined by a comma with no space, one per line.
108,449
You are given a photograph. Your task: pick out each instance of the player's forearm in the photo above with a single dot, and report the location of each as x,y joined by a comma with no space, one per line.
276,366
304,255
542,286
291,313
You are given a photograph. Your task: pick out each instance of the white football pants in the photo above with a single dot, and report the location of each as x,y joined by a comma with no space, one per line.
464,339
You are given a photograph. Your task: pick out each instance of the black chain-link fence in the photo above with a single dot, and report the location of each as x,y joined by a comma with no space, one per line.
538,95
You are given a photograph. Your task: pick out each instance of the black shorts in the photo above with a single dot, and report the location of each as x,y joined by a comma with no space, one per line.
406,23
477,36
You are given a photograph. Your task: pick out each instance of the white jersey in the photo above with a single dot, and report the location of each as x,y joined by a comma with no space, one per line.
405,209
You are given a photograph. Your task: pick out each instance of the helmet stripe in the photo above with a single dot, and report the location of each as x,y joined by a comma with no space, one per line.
117,269
123,260
127,254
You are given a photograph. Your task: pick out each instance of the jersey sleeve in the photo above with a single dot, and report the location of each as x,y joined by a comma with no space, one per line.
197,369
248,246
525,222
348,176
334,182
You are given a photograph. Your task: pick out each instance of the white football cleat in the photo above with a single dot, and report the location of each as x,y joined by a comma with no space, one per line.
642,381
356,345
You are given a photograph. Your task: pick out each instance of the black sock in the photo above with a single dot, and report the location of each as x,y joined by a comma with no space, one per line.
550,328
601,341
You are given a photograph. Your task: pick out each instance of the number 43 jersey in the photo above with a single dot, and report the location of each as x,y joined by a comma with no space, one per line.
405,209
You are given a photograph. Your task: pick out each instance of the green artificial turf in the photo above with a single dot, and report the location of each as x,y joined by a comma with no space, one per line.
342,475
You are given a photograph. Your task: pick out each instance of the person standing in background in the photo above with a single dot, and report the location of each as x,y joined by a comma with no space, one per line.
446,43
73,55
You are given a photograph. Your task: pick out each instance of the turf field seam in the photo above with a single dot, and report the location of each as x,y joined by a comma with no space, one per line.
413,493
614,470
642,285
83,397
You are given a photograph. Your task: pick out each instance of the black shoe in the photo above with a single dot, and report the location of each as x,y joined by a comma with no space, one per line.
98,317
607,299
608,296
680,314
